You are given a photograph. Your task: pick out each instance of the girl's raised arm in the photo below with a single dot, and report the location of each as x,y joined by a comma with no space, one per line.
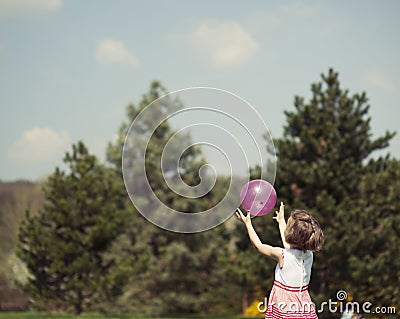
267,250
280,218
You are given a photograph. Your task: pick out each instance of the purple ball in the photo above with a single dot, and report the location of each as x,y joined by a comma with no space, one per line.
258,197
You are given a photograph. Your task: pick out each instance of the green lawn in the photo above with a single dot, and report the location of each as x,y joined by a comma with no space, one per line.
43,315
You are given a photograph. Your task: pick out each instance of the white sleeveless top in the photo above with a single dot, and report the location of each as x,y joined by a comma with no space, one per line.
296,270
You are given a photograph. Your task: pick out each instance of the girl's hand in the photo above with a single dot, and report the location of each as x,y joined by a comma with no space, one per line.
245,219
280,216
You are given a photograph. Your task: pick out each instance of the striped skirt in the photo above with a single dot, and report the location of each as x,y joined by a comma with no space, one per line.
286,302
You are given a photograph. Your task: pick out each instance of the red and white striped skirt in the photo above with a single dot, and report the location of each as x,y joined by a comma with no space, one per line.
286,302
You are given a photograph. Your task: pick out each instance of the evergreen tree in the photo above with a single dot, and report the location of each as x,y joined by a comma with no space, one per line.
169,272
321,162
65,245
373,239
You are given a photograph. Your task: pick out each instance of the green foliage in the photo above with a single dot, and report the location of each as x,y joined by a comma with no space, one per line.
376,223
90,248
325,142
170,273
65,244
323,167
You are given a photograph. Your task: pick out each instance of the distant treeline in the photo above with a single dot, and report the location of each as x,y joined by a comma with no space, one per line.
15,198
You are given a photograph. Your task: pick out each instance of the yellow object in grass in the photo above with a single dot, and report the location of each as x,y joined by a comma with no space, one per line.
253,311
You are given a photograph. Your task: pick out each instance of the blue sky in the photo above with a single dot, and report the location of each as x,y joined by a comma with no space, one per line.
69,68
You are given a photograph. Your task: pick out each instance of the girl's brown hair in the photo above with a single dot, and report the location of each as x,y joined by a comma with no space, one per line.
303,231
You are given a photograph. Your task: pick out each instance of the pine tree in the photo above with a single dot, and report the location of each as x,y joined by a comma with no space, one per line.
65,245
375,228
169,271
322,158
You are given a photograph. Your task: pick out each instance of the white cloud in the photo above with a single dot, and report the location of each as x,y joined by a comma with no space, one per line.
22,7
224,43
380,80
115,52
40,145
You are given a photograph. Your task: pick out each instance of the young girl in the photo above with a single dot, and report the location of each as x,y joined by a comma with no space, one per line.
289,297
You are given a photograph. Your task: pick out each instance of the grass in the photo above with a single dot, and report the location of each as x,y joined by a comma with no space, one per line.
46,315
